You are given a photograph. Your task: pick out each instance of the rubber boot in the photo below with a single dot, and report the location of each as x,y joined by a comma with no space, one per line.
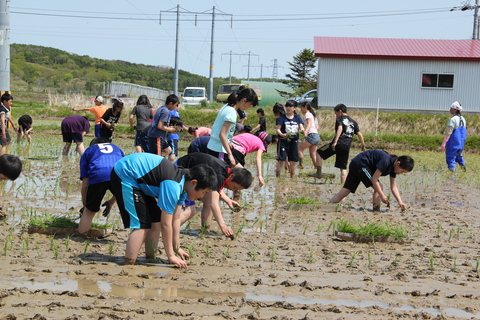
317,174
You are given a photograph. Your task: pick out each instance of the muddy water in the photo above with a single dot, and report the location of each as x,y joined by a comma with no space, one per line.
285,263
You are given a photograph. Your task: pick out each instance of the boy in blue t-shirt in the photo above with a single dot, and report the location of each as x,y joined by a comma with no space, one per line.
289,127
157,133
96,164
150,191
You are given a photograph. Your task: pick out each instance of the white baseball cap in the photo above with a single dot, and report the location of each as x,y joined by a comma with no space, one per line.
98,98
456,105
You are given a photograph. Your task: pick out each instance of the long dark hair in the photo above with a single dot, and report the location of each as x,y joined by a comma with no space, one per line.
143,100
307,105
247,93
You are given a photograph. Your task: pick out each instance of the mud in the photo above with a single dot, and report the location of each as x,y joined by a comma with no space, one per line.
282,264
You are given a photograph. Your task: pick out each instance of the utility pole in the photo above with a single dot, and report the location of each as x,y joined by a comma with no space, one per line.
175,80
230,68
175,74
476,24
4,45
210,89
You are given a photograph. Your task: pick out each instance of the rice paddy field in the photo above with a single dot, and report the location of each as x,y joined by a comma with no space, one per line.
287,260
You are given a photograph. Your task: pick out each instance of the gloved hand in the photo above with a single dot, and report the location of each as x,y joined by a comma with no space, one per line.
108,207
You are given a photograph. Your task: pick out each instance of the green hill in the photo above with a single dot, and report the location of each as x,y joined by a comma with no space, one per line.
48,69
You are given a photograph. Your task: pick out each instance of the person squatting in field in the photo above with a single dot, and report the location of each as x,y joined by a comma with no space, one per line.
367,167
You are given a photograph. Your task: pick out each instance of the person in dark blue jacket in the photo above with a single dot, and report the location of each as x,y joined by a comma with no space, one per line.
367,167
96,164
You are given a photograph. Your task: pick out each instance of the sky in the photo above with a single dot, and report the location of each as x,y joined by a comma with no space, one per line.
256,33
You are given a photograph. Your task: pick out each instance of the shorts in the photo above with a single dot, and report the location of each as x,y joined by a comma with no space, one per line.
155,143
8,139
138,210
174,145
287,150
238,156
188,203
342,154
219,155
357,174
22,128
95,194
313,139
97,130
72,136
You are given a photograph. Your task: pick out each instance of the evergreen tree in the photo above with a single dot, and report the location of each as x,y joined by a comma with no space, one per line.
301,78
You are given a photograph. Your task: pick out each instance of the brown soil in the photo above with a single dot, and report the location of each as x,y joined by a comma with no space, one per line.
290,266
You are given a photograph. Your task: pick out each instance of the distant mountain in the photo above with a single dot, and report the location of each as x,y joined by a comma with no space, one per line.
43,68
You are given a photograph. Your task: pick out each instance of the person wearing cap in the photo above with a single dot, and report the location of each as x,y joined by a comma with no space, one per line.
98,111
110,119
224,126
455,137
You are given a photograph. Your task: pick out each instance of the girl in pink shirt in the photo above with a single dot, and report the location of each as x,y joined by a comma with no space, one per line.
246,143
199,132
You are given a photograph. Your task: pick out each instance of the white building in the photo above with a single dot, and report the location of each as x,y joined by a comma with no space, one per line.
404,75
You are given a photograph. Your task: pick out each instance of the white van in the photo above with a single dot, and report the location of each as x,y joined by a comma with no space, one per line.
193,95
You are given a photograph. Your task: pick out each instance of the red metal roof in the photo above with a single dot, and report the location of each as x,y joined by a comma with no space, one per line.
397,49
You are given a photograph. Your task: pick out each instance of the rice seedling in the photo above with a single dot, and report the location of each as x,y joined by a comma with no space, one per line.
37,248
227,252
67,243
432,261
203,229
439,228
320,227
52,242
310,257
207,251
261,225
272,255
187,226
275,227
396,260
85,246
371,229
450,235
151,249
458,232
111,247
253,254
419,228
369,257
353,258
454,267
55,250
305,227
477,265
8,239
25,244
190,251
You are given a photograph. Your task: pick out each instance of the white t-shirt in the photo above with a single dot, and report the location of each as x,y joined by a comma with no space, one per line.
314,126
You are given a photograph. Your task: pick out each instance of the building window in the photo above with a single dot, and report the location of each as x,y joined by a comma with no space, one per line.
435,80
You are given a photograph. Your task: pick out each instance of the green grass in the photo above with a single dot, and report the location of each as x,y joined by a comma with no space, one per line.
371,229
60,222
301,200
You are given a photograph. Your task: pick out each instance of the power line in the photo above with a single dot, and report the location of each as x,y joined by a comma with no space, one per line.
265,19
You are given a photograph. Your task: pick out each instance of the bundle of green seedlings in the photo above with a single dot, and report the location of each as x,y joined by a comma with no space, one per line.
371,229
49,220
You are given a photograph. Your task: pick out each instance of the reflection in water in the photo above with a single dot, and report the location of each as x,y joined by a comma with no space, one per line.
362,304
